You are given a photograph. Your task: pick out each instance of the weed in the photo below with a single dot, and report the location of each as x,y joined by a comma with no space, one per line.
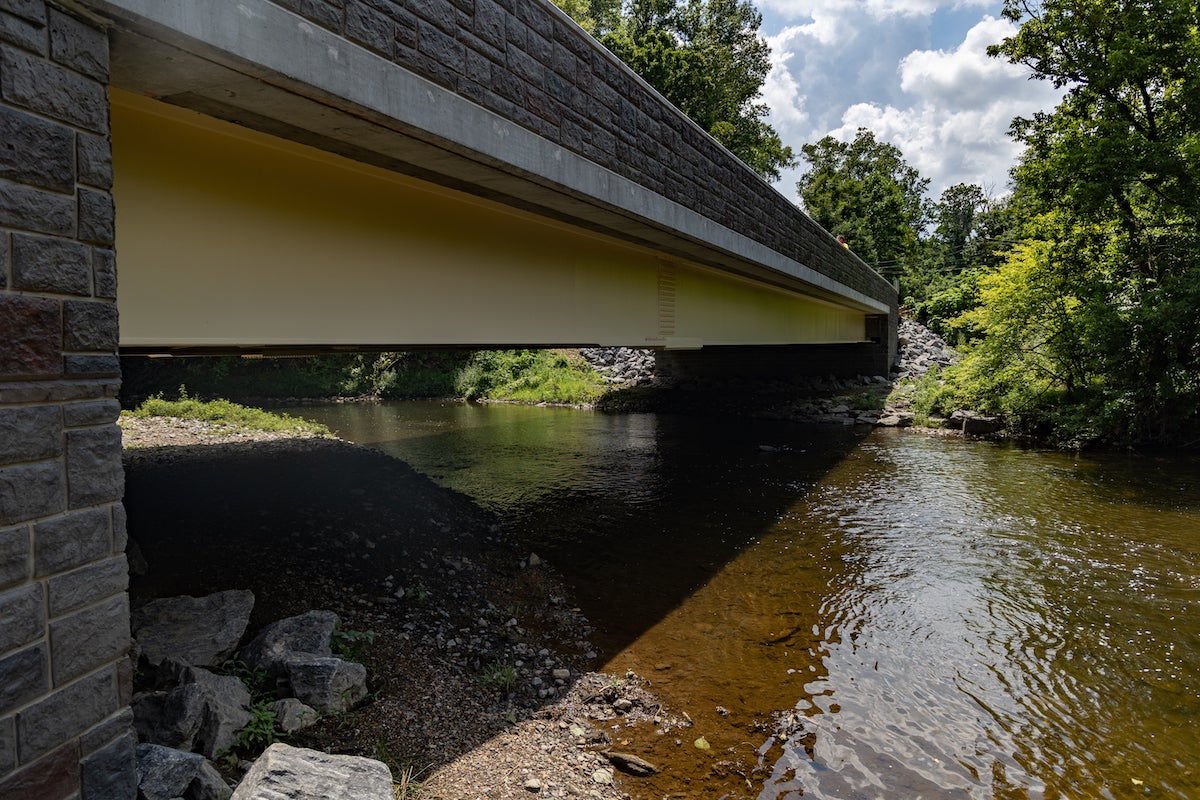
350,644
262,730
257,681
500,678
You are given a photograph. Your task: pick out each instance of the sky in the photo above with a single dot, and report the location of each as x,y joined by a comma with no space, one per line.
916,72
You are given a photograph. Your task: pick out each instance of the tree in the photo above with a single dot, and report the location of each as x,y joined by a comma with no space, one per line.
1099,309
705,57
865,191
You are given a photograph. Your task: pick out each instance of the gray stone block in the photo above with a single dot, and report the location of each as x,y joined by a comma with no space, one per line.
96,217
31,329
46,264
88,585
286,771
22,33
367,26
166,774
104,273
77,366
91,412
29,491
93,160
120,530
8,745
22,617
201,631
94,471
276,644
64,715
35,210
54,776
68,542
327,683
15,551
106,732
30,10
111,773
24,676
90,324
78,45
38,153
89,639
56,92
32,433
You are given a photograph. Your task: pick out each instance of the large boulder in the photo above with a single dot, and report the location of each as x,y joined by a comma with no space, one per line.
283,772
308,634
203,631
203,714
167,774
326,682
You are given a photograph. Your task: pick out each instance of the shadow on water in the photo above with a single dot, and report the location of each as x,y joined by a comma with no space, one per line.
637,511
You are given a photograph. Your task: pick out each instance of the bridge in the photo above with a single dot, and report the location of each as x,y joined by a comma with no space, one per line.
310,175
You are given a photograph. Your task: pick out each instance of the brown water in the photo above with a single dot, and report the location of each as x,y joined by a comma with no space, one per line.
856,615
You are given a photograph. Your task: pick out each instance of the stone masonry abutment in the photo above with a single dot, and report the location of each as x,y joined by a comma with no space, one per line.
65,678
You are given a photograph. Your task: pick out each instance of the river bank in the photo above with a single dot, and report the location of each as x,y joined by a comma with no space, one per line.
479,670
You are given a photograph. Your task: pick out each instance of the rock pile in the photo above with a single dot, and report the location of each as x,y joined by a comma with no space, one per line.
625,366
920,351
189,714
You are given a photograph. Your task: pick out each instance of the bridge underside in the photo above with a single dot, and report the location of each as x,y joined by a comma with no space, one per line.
234,240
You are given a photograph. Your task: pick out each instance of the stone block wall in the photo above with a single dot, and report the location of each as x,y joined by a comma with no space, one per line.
524,60
65,677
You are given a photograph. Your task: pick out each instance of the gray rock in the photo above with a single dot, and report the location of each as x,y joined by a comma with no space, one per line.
291,773
306,634
292,715
167,774
203,631
204,713
327,683
627,762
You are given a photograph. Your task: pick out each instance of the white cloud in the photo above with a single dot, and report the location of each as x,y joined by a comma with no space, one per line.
856,64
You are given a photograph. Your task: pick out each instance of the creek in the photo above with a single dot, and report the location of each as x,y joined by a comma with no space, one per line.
848,613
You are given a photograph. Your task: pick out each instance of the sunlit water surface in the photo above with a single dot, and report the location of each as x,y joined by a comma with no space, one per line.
853,615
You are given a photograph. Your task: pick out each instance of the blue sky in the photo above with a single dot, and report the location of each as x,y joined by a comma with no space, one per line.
914,71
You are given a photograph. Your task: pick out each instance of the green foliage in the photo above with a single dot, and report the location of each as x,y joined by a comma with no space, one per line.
499,678
706,57
257,681
263,729
351,645
866,191
225,412
531,376
1089,329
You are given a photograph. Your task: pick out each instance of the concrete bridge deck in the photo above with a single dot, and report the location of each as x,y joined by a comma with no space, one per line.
404,163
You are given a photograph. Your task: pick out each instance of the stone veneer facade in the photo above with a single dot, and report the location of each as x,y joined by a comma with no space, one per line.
65,678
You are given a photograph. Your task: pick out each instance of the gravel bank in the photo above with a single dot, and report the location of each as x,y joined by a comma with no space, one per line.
314,522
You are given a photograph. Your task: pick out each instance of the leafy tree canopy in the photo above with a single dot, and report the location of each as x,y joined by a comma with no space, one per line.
866,191
1092,324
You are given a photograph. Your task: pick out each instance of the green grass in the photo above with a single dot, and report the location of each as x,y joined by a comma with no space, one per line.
225,412
529,376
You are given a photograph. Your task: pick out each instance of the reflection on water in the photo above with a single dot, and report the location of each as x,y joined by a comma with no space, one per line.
899,616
